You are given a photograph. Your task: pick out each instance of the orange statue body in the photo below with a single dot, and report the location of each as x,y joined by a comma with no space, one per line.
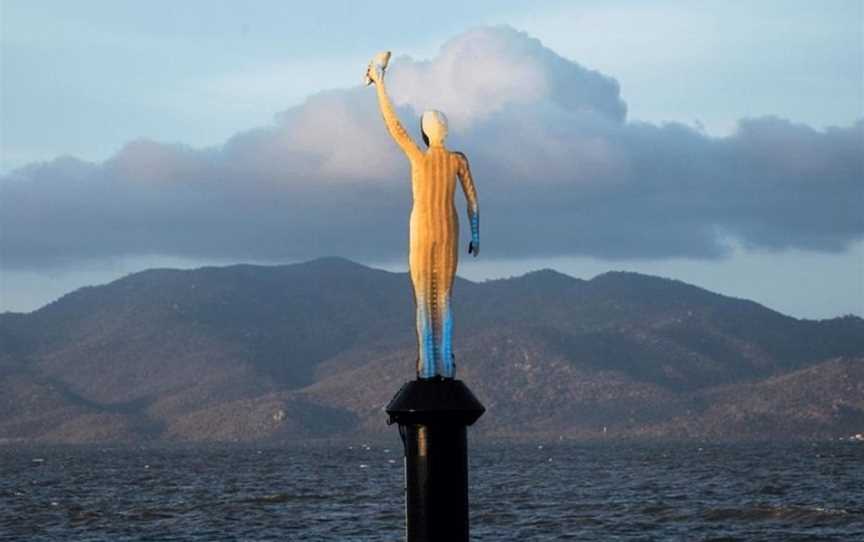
434,226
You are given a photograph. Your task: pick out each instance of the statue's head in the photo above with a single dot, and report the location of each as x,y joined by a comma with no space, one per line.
433,126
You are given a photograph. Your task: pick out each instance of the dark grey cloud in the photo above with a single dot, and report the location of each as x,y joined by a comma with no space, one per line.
559,168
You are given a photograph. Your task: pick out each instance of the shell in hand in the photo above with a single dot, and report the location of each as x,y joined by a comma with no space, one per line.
378,61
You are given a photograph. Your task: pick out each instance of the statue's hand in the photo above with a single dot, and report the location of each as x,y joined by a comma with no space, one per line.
377,67
374,73
474,247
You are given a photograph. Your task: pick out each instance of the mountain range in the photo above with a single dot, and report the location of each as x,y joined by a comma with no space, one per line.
315,350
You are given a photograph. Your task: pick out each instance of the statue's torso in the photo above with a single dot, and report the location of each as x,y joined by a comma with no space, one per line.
433,182
434,226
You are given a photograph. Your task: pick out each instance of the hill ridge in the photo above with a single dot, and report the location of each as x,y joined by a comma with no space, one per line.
212,353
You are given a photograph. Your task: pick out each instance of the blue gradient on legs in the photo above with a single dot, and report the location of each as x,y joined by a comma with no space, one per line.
435,337
429,349
425,337
448,369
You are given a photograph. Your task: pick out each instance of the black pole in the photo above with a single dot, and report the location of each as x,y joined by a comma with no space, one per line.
433,416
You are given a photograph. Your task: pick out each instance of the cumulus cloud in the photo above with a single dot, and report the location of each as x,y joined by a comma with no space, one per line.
559,168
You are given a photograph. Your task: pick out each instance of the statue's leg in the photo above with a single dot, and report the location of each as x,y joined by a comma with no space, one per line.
421,281
448,259
448,369
425,340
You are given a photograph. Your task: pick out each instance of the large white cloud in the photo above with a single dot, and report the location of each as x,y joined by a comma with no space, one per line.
560,171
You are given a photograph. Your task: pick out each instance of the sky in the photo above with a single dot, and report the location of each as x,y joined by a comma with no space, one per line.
719,143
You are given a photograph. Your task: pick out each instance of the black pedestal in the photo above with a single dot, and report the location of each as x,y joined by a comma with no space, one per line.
433,415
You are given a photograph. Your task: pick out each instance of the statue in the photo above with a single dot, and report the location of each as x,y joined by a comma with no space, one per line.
434,226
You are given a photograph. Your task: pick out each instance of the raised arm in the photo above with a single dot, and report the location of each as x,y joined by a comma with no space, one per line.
464,174
391,120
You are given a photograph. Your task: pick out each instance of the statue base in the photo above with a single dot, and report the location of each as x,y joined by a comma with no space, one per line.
433,416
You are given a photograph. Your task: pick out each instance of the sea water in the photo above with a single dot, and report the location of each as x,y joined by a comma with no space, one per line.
353,491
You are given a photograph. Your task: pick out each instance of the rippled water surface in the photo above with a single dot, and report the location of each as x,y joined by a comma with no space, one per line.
354,492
